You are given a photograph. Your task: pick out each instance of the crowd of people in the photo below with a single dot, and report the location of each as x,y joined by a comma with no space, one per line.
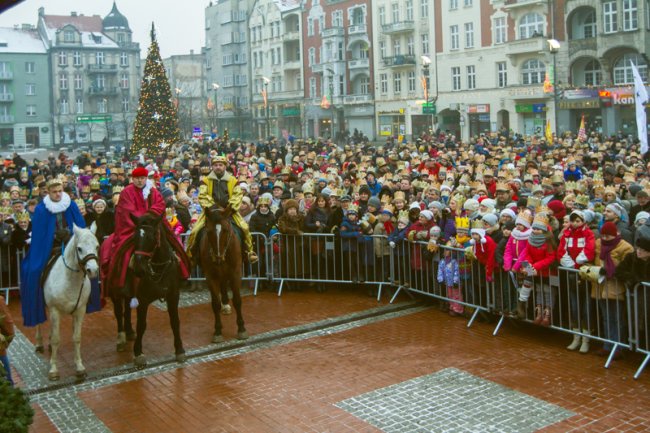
514,203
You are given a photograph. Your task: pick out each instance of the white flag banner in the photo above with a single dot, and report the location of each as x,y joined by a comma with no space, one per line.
640,99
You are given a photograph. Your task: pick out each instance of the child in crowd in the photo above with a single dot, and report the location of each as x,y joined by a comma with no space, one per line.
514,257
448,274
174,223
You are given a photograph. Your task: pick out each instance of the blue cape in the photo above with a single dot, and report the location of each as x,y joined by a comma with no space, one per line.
43,228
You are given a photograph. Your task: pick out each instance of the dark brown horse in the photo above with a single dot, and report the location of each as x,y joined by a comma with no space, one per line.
221,259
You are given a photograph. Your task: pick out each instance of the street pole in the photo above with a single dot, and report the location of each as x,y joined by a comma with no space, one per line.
215,87
331,89
268,110
555,105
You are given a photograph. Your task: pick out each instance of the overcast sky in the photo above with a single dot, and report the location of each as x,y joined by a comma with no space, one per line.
179,24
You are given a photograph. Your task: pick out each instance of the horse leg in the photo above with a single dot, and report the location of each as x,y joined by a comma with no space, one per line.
235,283
172,310
39,340
215,295
128,327
225,302
55,338
77,321
118,311
141,326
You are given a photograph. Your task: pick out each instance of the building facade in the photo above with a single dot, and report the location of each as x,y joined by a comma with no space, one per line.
195,106
95,69
24,89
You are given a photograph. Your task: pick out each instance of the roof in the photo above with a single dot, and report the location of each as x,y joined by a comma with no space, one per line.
287,5
89,27
20,41
115,20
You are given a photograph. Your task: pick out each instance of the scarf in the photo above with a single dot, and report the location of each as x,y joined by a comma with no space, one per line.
520,235
537,240
606,256
389,227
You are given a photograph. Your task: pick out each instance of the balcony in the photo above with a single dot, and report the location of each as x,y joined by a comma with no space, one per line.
317,68
359,64
357,99
357,29
577,45
102,91
399,61
333,32
515,4
6,75
287,95
6,118
102,69
129,45
398,27
525,47
291,36
6,97
292,64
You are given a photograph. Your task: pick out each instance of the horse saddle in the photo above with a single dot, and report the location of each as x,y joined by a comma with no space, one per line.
56,252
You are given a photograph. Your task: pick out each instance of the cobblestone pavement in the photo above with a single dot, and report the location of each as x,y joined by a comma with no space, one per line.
332,362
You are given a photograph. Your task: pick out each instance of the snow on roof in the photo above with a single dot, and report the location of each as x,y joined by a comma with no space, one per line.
20,41
90,28
287,5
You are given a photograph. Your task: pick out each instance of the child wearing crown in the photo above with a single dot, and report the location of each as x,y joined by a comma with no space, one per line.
174,223
449,275
462,241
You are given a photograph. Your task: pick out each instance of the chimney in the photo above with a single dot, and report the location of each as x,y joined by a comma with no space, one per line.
73,14
41,11
191,52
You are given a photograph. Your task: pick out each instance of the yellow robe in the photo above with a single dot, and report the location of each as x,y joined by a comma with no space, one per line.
206,201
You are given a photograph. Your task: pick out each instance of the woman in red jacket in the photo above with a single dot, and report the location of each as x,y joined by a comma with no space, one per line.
577,248
539,258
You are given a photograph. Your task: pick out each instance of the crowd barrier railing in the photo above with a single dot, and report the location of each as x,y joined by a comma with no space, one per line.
10,259
638,304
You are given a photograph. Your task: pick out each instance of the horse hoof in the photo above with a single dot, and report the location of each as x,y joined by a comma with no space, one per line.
242,335
226,309
217,339
121,347
39,349
130,336
181,357
81,375
53,376
140,361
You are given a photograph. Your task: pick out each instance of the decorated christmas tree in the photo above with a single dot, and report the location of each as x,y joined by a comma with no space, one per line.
156,124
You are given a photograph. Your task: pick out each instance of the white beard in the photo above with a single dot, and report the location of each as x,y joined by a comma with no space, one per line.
147,189
59,206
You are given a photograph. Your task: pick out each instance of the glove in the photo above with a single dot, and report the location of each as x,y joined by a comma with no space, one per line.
489,279
392,244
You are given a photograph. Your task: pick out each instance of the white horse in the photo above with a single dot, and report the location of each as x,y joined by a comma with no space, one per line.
67,290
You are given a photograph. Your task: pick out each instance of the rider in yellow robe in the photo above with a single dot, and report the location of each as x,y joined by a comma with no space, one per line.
221,188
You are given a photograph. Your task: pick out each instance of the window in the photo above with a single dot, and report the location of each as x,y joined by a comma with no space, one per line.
471,77
395,12
64,106
63,81
30,67
383,83
410,78
455,78
424,8
533,72
68,36
593,74
364,85
99,58
79,105
311,56
30,89
410,46
382,15
124,81
76,58
502,74
382,49
337,19
609,17
63,59
623,70
30,110
100,81
409,10
454,37
125,105
397,82
469,35
589,25
312,87
425,43
397,47
531,25
500,30
78,82
124,59
101,106
630,20
453,4
468,3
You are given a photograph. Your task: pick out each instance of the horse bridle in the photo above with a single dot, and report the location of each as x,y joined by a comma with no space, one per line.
215,255
151,264
81,262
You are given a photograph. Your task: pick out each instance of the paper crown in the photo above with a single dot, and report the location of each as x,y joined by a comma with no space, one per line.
57,181
170,211
610,190
278,184
389,208
81,204
533,202
6,210
502,186
477,224
582,200
403,216
399,195
117,189
353,208
5,196
541,218
85,188
23,216
462,223
94,185
525,216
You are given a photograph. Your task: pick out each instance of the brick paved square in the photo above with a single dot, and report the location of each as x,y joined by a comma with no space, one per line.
452,400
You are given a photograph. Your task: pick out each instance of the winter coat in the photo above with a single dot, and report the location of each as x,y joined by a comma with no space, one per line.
418,233
261,223
381,240
514,254
448,273
575,241
291,246
632,271
541,258
612,288
485,252
350,233
314,215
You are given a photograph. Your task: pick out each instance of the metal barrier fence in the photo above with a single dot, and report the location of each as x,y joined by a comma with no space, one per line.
638,304
10,259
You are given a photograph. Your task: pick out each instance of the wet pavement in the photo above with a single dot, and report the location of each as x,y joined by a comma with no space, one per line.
331,362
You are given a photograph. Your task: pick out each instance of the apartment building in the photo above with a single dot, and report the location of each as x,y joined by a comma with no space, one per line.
195,103
24,88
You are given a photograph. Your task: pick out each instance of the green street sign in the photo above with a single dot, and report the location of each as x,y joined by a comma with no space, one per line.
428,108
94,118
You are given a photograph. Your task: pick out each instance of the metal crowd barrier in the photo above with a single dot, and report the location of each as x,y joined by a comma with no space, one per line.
638,304
10,270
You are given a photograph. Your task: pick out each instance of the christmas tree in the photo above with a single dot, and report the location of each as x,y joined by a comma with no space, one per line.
156,124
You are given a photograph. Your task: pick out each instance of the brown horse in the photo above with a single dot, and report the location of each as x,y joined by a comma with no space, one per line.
221,259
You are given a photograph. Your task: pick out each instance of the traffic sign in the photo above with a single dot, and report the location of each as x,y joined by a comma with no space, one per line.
428,108
90,118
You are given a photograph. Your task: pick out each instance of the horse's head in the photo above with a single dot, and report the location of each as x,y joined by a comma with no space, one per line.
146,240
86,248
217,215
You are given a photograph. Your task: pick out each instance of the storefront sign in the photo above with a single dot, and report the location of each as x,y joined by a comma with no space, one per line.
291,111
530,108
385,130
579,104
478,108
580,94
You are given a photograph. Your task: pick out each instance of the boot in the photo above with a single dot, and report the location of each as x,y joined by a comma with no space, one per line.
252,257
584,347
576,340
538,315
521,310
546,317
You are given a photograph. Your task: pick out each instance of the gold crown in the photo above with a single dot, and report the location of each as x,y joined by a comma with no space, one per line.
399,195
533,202
582,200
599,183
118,189
80,203
526,216
476,185
389,208
353,208
85,188
23,216
94,185
610,190
571,185
541,218
5,210
264,200
56,181
477,224
220,158
278,184
5,196
462,223
502,174
403,216
502,186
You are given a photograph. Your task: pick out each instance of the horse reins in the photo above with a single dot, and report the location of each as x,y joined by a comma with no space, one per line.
81,262
163,265
215,254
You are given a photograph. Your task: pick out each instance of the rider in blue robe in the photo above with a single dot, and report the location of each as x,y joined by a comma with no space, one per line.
51,219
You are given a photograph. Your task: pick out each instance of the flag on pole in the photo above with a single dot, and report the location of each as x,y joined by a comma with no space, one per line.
549,133
265,98
325,103
582,134
640,99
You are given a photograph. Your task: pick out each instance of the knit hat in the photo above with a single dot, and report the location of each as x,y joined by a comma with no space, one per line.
508,212
427,214
435,231
489,203
436,205
374,202
609,229
577,214
643,238
559,211
414,205
471,205
525,219
509,225
480,232
634,189
640,216
99,201
139,172
167,193
616,208
589,215
490,219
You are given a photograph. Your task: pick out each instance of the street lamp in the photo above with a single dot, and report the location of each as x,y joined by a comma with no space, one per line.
554,47
216,87
266,105
426,61
331,92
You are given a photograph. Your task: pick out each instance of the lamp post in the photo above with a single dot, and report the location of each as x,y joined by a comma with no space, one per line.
426,61
215,87
266,106
554,47
331,93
